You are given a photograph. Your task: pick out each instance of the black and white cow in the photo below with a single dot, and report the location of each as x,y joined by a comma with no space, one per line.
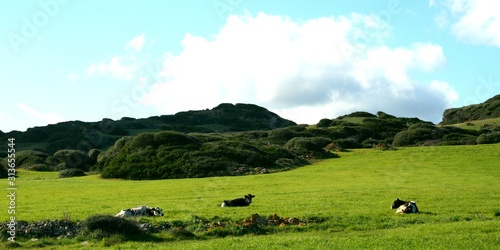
140,211
240,202
404,207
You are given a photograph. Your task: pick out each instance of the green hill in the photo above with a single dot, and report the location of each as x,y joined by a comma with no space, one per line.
103,134
169,154
486,110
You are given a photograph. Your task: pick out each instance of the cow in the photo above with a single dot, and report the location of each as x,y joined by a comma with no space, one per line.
404,207
140,211
240,202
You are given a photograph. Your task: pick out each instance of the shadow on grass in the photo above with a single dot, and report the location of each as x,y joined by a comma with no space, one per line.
427,213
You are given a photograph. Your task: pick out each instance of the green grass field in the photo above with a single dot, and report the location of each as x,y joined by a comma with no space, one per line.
457,190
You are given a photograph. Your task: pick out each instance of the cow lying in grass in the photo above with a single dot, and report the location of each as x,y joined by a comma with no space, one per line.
240,202
140,211
404,207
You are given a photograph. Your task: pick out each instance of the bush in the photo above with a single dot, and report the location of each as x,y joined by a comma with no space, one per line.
324,123
282,135
69,158
41,167
458,139
167,155
358,114
30,157
100,226
303,144
172,138
310,147
489,138
93,154
71,172
347,143
142,140
418,134
3,168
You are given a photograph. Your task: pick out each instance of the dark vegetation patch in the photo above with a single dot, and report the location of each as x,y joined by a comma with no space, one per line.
171,154
101,226
71,172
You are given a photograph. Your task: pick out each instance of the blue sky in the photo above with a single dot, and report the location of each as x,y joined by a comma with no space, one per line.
304,60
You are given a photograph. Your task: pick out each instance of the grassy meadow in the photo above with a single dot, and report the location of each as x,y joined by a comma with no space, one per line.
457,190
477,125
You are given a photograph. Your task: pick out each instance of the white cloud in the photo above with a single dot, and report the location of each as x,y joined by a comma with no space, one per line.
303,70
120,67
444,87
136,43
123,67
38,117
474,21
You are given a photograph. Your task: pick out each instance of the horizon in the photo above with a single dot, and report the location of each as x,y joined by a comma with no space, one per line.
303,61
213,108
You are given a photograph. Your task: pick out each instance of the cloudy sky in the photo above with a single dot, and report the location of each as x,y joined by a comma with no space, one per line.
304,60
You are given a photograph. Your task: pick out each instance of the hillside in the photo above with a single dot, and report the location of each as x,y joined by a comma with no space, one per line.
486,110
226,140
103,134
168,154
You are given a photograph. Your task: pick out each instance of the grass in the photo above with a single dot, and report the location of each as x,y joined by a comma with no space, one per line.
477,125
355,120
456,189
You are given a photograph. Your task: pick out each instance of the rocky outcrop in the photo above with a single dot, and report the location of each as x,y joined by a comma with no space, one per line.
44,228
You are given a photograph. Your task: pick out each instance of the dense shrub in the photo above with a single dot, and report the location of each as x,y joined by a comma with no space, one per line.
100,226
69,158
303,144
489,138
41,167
282,135
417,134
357,114
309,147
71,172
324,123
458,139
347,143
3,168
172,138
382,115
28,158
168,154
93,155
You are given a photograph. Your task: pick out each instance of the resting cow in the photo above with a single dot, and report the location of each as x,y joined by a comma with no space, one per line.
404,207
240,202
140,211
